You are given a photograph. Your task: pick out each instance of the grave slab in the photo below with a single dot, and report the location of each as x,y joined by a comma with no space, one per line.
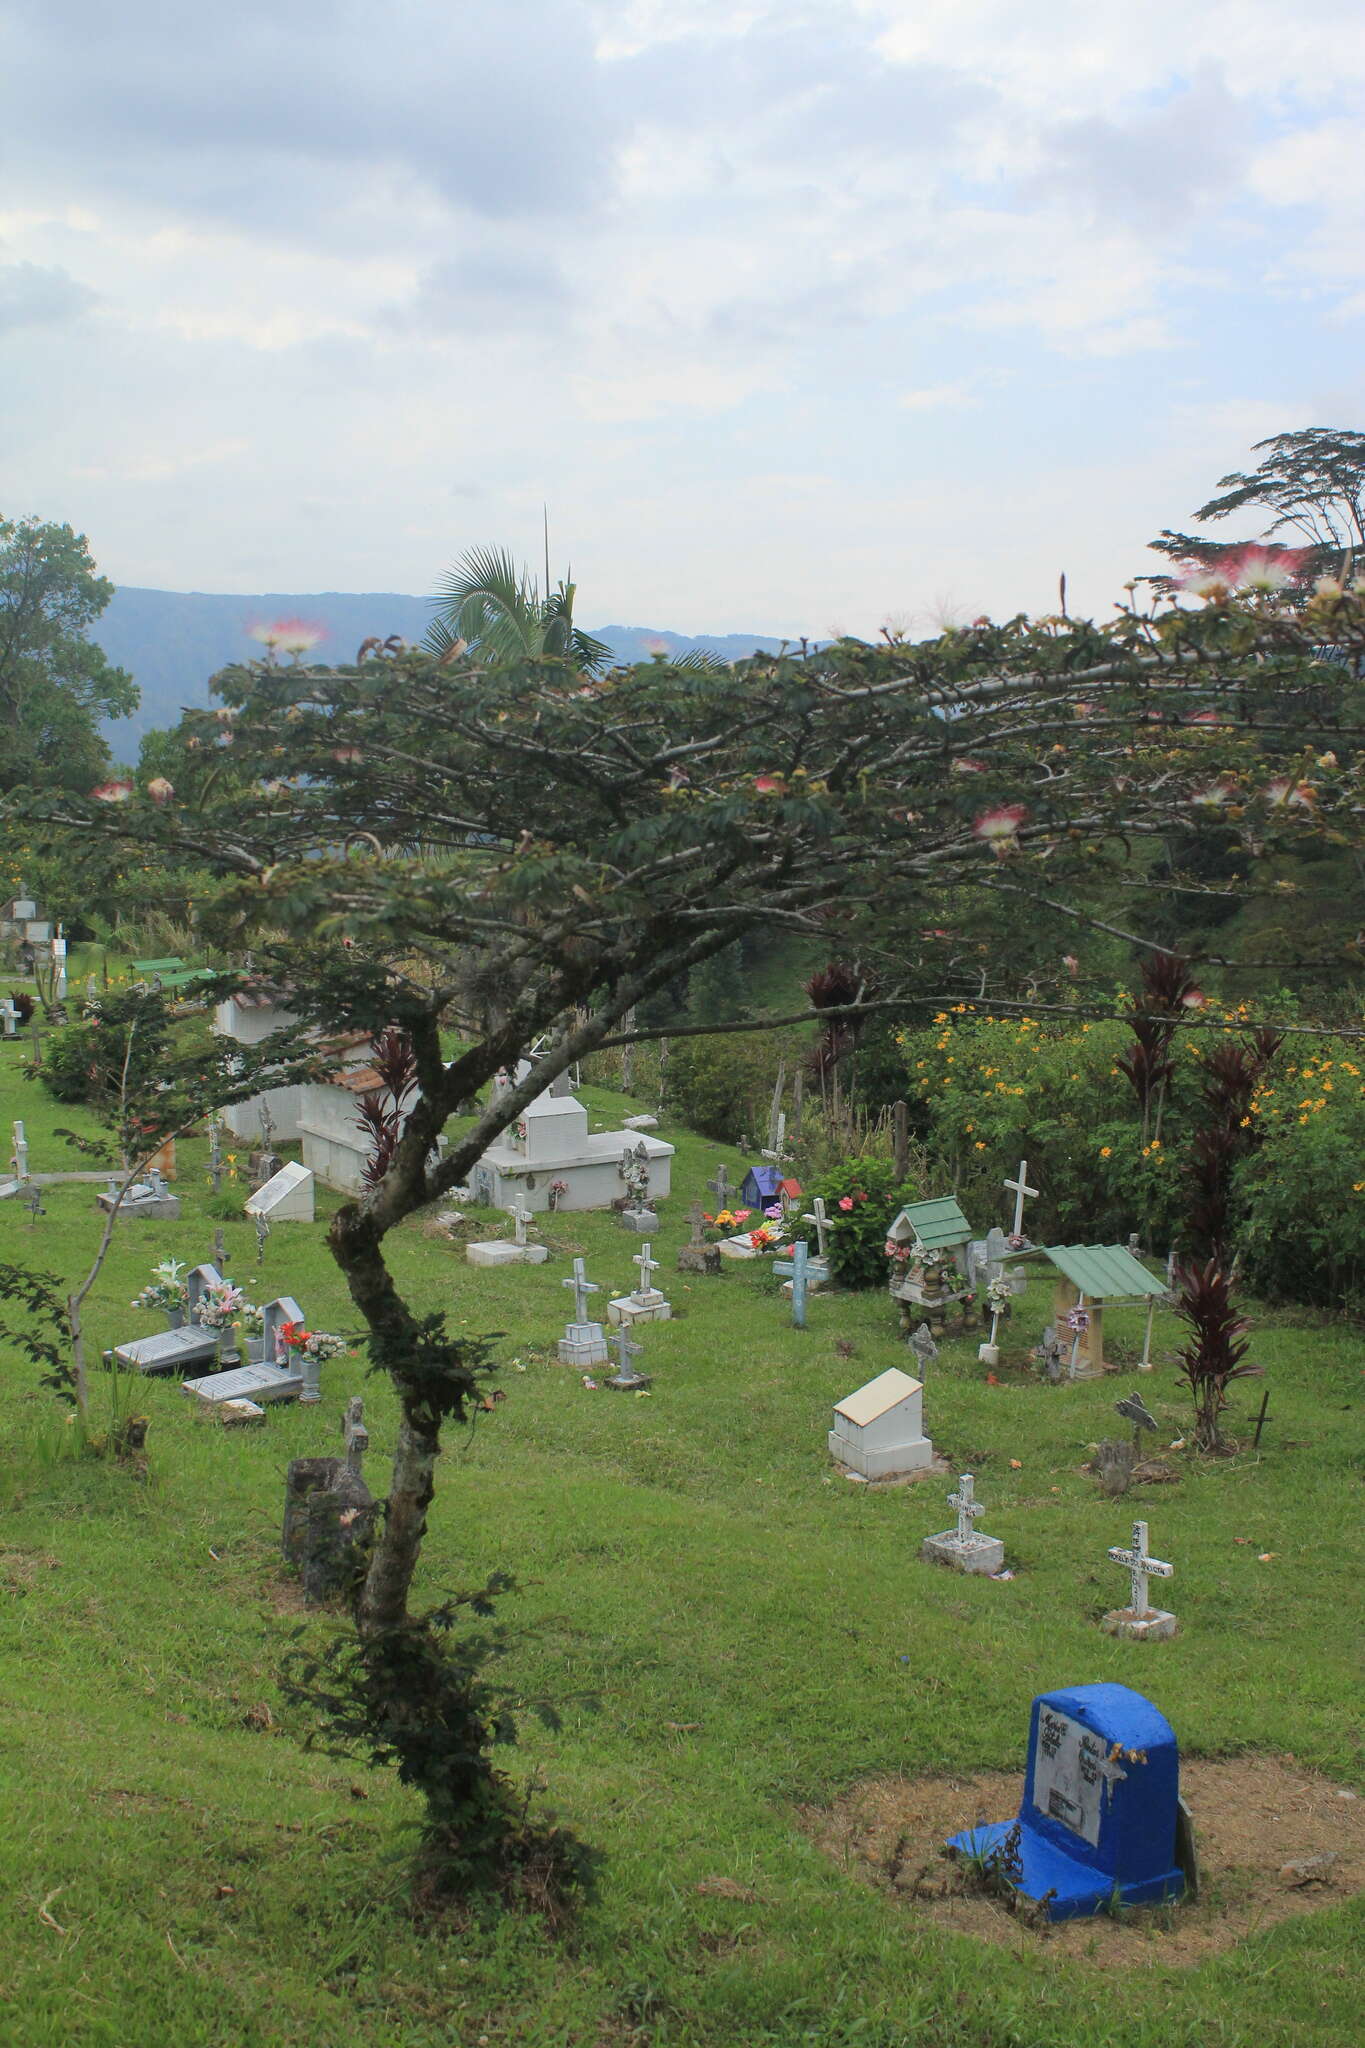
170,1351
287,1197
1097,1826
257,1383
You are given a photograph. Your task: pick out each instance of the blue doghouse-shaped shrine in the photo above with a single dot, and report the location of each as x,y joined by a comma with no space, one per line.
1101,1803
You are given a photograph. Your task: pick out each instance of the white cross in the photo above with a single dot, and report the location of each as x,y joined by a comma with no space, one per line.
1139,1566
625,1351
20,1151
1020,1189
967,1508
821,1222
521,1217
582,1288
648,1267
776,1138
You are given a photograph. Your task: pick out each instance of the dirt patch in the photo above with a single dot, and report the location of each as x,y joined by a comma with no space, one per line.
1273,1841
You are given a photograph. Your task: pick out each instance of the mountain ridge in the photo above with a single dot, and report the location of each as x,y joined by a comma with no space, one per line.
172,641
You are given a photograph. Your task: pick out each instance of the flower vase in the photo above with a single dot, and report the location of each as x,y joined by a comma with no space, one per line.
311,1369
175,1318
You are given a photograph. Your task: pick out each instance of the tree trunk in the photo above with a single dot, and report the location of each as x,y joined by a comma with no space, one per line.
383,1599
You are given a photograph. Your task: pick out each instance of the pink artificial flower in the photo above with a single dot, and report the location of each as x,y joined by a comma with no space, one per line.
112,792
999,828
774,1215
845,1202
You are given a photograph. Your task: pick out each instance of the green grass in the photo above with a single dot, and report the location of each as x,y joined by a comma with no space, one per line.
759,1634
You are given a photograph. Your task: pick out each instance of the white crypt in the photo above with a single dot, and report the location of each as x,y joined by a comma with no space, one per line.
549,1151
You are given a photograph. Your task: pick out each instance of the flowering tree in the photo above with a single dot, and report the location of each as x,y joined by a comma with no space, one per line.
412,826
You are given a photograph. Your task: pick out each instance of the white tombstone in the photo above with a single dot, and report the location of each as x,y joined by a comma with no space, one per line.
964,1548
287,1197
505,1251
879,1431
19,1160
584,1342
1139,1619
9,1018
645,1303
550,1141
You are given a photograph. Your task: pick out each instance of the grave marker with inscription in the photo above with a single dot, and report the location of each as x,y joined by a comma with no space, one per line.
1098,1823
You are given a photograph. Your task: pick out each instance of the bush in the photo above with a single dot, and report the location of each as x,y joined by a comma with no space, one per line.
862,1199
723,1086
1300,1197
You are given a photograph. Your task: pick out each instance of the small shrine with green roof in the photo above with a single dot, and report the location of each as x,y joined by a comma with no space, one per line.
926,1247
1089,1277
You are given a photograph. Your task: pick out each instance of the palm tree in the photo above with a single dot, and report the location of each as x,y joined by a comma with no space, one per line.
496,609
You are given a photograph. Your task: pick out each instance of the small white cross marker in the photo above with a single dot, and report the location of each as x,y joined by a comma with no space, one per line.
968,1508
821,1222
1021,1190
582,1288
1139,1566
644,1286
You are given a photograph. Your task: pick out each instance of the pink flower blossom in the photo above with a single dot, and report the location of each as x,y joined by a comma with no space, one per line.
112,792
1214,795
159,790
999,828
1265,570
1284,791
770,785
845,1202
1213,582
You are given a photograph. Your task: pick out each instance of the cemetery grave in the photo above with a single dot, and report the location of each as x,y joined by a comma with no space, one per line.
750,1648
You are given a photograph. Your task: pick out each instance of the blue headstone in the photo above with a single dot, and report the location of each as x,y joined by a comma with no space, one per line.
1098,1822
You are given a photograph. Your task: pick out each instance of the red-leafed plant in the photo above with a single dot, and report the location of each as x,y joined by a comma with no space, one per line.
380,1110
1168,990
1232,1073
1217,1350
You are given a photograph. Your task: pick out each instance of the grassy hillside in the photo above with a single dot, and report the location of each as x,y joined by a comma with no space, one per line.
180,1871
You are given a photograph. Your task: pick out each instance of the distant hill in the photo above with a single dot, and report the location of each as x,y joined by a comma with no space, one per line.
172,641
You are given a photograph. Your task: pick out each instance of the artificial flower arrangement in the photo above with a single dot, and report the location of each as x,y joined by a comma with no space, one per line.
165,1292
899,1254
222,1305
725,1223
1000,1297
558,1190
319,1345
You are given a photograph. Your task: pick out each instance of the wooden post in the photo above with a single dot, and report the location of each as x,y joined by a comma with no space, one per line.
1265,1403
901,1156
1145,1362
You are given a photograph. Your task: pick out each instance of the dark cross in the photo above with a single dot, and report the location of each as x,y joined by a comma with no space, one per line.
720,1188
33,1202
215,1156
1133,1409
696,1217
219,1250
262,1233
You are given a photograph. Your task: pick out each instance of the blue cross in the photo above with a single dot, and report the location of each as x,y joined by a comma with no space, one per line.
795,1269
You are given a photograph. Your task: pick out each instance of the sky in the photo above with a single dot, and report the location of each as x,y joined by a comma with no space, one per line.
799,315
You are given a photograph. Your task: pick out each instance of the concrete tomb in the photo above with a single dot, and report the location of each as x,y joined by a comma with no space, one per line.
964,1548
287,1197
645,1303
550,1142
879,1430
181,1350
276,1375
584,1342
1098,1824
513,1251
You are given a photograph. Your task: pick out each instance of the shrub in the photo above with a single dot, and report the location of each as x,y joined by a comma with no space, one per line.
862,1199
723,1086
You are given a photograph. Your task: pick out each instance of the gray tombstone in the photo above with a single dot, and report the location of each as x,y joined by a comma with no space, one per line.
925,1349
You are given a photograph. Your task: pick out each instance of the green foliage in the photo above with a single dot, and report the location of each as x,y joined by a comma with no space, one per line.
715,989
723,1085
55,684
497,609
857,1244
1300,1196
42,1334
120,1039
